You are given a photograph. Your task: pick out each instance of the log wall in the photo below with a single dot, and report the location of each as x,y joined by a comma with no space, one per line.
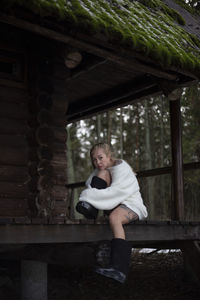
33,164
47,134
13,151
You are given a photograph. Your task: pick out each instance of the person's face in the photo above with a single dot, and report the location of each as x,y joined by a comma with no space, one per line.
101,160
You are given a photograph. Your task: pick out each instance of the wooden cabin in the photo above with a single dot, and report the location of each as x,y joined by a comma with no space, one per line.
67,60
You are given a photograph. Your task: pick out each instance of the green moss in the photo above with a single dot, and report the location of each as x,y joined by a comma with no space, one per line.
175,15
156,4
147,26
151,4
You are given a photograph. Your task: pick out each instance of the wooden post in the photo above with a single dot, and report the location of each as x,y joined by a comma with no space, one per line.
191,255
177,158
33,280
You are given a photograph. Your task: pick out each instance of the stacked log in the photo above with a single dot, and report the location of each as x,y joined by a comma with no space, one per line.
14,174
47,141
33,163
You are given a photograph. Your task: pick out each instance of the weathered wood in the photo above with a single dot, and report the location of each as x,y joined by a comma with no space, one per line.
60,179
49,154
31,138
167,170
11,140
49,135
45,167
13,207
39,220
22,220
56,220
60,102
90,64
32,154
81,233
45,135
50,180
11,126
33,168
46,117
6,220
14,110
44,100
60,90
60,134
146,173
61,72
56,172
177,159
13,156
13,189
13,173
13,95
65,254
75,185
59,159
114,98
56,102
130,64
59,209
45,152
60,192
11,83
33,184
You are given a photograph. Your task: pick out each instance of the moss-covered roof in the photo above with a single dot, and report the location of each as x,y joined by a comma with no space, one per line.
146,26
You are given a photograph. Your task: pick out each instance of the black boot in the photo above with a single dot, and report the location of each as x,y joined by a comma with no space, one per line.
85,208
119,261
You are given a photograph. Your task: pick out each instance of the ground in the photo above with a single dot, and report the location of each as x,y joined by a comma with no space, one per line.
152,276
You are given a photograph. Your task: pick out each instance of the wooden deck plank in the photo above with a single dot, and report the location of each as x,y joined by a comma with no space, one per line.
81,233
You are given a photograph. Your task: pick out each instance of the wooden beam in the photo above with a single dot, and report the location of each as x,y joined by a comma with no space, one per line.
177,159
167,170
82,233
129,63
115,97
147,173
88,64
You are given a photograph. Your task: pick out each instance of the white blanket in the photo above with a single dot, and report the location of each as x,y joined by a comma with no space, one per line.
124,189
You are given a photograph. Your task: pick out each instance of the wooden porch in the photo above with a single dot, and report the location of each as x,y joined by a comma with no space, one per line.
140,233
37,243
33,159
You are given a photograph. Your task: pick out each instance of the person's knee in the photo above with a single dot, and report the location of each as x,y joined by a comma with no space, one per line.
111,219
114,219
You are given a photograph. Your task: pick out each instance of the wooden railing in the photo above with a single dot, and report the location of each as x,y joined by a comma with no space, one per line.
140,174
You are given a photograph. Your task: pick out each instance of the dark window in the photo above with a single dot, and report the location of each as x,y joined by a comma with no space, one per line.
12,65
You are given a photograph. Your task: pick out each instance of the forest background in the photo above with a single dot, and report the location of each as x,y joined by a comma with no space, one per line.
140,134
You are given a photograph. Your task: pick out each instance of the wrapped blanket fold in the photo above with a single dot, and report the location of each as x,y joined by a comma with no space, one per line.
123,190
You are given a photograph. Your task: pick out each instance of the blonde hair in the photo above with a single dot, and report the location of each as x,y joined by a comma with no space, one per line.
105,147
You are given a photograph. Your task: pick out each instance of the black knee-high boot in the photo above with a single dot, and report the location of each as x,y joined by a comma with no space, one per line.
85,208
119,261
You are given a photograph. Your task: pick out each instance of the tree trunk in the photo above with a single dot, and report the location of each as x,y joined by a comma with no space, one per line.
121,132
148,160
73,196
